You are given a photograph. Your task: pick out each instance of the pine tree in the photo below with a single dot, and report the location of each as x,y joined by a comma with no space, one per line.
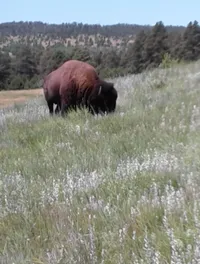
82,54
175,43
155,46
4,69
191,42
135,54
25,63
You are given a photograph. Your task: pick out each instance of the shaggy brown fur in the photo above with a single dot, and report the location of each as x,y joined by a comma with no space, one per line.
77,84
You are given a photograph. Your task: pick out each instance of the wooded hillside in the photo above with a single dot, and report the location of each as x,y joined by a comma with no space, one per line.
29,50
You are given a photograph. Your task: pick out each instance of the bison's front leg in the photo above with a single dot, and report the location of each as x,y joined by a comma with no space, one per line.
93,106
66,106
64,109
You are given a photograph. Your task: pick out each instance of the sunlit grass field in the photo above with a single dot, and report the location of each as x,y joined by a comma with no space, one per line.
122,188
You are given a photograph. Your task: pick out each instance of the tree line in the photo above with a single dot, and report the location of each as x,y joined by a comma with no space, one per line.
74,29
23,65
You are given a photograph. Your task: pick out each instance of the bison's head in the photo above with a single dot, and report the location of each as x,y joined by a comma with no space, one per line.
107,97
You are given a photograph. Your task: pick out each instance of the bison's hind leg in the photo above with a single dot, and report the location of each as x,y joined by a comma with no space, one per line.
50,105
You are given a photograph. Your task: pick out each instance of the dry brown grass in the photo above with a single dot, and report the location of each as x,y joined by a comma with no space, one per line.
8,98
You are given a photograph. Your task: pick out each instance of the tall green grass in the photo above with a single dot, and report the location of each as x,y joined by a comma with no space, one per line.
122,188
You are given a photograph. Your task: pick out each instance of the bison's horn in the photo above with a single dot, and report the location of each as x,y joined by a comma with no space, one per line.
99,90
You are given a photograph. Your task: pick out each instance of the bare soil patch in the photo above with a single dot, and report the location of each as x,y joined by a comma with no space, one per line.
8,98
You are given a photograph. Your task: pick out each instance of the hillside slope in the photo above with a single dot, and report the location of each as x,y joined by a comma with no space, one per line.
70,34
123,188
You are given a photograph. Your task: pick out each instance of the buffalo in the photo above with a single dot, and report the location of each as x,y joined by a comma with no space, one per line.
77,84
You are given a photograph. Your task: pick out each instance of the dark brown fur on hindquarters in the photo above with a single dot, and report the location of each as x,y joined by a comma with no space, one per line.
77,84
51,92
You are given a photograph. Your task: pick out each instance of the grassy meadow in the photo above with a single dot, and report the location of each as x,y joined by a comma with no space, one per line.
122,188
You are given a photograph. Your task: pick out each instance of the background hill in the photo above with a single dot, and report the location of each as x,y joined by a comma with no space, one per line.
72,33
30,50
